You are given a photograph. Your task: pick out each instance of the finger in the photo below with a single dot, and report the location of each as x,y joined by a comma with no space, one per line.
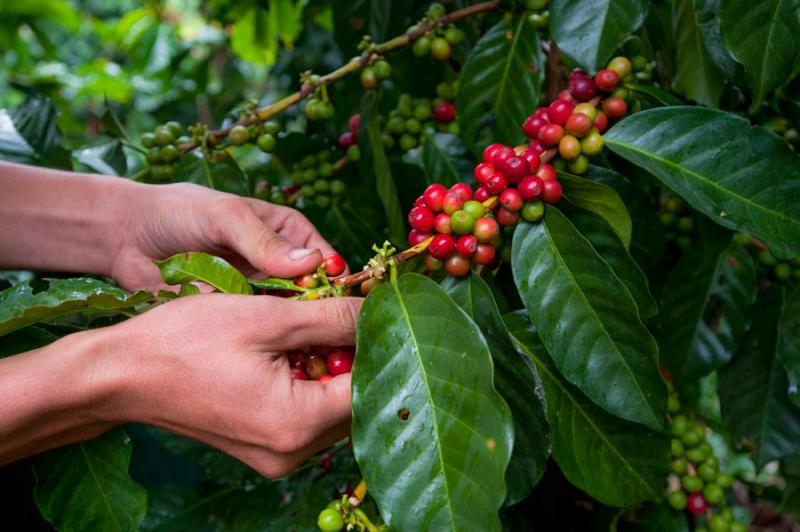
306,323
292,225
324,406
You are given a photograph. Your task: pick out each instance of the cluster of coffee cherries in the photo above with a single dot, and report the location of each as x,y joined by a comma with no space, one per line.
439,41
312,177
696,484
264,134
373,74
678,222
782,271
465,225
540,15
348,141
163,149
319,107
415,120
573,123
320,366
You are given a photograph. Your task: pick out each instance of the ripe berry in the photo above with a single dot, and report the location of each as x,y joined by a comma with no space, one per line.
442,246
546,172
696,504
481,194
444,112
442,223
417,237
354,123
507,217
484,255
560,111
515,168
501,155
483,171
486,229
299,374
532,211
542,112
551,134
569,147
530,188
368,286
334,265
463,190
457,266
421,219
307,281
473,208
238,135
420,202
601,121
566,96
462,223
532,125
537,147
339,362
578,124
532,159
329,520
621,66
582,87
434,195
452,202
346,140
440,49
297,359
496,183
614,107
315,366
511,199
552,191
489,151
466,246
606,80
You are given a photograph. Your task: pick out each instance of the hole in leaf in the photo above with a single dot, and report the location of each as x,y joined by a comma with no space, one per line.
403,414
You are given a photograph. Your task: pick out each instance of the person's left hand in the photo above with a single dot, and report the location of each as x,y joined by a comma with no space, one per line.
259,238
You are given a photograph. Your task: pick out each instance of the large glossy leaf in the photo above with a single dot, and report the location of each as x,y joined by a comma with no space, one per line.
654,96
515,379
430,433
588,320
384,183
753,388
200,267
86,486
23,305
696,76
608,245
29,134
446,160
657,518
741,177
600,199
789,341
712,39
617,462
499,83
223,174
589,31
765,37
106,158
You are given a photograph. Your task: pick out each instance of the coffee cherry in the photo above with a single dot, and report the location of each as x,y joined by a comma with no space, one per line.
679,466
330,520
692,437
440,49
566,96
346,140
297,359
718,523
407,142
339,362
501,155
368,286
677,499
299,374
482,172
532,211
452,202
316,366
614,107
506,217
697,454
551,134
444,112
551,192
713,494
334,265
484,255
724,480
417,237
537,146
462,223
530,188
601,121
580,165
560,111
153,155
307,281
421,46
532,125
457,266
148,140
569,147
442,246
691,484
466,246
489,151
442,224
680,425
266,142
431,264
582,87
496,183
696,504
473,208
163,136
421,219
413,126
434,195
382,69
354,123
486,229
621,66
673,404
578,124
515,168
337,187
511,199
462,190
606,80
592,144
736,526
531,158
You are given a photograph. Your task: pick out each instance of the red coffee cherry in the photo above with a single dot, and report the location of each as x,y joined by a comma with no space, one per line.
307,281
354,123
486,229
551,134
463,190
489,151
531,188
532,158
537,147
421,219
543,113
582,87
299,374
297,359
552,191
434,195
346,140
566,96
417,237
324,378
601,121
441,224
560,111
420,202
442,246
457,266
507,217
334,265
532,125
515,168
483,171
569,147
511,199
696,504
501,155
614,108
496,183
444,112
578,124
484,255
466,246
340,362
452,202
482,194
606,80
546,172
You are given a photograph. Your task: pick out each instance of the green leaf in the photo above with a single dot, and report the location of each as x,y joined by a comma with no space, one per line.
499,83
350,233
26,339
446,160
515,379
254,37
696,76
753,388
86,486
590,31
387,191
434,451
658,518
608,245
223,174
763,36
600,199
654,96
588,320
789,341
274,283
23,305
617,462
213,271
742,177
29,134
106,158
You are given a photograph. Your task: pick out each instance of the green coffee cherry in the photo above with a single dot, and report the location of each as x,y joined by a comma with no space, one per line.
266,142
691,484
677,499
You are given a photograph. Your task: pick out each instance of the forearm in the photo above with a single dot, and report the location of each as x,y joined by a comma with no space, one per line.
61,221
62,393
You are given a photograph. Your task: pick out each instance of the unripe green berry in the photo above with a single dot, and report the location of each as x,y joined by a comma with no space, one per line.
353,153
473,208
679,466
148,140
724,480
713,494
407,142
454,35
382,69
163,136
436,10
673,404
677,499
170,153
580,165
532,211
413,126
329,520
175,128
337,187
421,46
461,222
153,155
707,473
238,135
691,484
266,142
368,78
717,523
440,49
321,185
322,200
271,127
680,425
676,448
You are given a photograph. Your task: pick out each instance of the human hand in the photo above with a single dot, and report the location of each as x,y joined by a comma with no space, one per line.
257,237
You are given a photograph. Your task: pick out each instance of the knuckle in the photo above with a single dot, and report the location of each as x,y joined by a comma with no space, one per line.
341,313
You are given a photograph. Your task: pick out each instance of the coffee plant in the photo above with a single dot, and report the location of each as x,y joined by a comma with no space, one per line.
576,225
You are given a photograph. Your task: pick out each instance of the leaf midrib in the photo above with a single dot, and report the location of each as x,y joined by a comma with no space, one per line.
103,496
507,67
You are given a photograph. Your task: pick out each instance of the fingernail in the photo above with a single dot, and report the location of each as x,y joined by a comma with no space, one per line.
299,254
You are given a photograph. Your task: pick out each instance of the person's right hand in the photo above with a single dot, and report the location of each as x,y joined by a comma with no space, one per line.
213,367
